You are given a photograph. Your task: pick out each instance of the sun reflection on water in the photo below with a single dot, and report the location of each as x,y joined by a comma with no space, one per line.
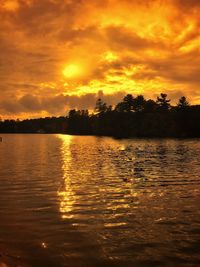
65,192
44,245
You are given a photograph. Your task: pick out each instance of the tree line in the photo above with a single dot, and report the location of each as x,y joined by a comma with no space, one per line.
132,117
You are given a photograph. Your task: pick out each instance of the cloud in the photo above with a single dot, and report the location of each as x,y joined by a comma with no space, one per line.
57,105
120,46
121,38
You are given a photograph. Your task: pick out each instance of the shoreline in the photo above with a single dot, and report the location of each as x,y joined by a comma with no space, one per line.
111,136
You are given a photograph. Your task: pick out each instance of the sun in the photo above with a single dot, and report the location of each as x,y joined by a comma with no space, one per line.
71,71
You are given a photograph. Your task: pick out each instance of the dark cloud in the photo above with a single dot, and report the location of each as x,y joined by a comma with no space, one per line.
179,69
56,105
74,36
187,4
30,103
120,37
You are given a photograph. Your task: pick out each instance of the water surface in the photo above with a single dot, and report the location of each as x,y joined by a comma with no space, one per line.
91,201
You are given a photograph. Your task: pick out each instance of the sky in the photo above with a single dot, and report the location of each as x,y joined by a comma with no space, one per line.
56,55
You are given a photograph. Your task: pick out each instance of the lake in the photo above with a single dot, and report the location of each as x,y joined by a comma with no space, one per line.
96,201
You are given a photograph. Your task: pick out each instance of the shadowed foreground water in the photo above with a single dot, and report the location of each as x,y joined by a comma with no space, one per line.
89,201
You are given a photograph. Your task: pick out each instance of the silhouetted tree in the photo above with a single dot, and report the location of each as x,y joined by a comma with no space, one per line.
150,106
163,102
101,106
72,113
126,105
121,107
139,103
128,102
133,117
182,103
109,108
84,112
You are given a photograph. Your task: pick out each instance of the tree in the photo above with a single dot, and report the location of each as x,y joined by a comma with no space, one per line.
163,102
139,103
84,112
100,106
182,103
109,108
128,102
72,113
121,107
150,106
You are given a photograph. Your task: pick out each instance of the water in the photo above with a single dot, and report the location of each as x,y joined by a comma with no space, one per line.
90,201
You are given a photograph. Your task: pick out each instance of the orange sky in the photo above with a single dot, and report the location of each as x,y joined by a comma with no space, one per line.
61,54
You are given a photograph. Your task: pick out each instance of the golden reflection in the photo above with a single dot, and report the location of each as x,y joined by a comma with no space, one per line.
119,224
44,245
65,193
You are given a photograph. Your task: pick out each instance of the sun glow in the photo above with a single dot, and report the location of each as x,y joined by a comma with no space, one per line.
72,71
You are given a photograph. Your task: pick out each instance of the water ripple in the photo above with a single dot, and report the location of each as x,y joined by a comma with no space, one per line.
70,200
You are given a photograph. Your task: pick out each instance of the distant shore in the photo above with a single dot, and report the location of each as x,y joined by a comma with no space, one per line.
131,118
111,136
